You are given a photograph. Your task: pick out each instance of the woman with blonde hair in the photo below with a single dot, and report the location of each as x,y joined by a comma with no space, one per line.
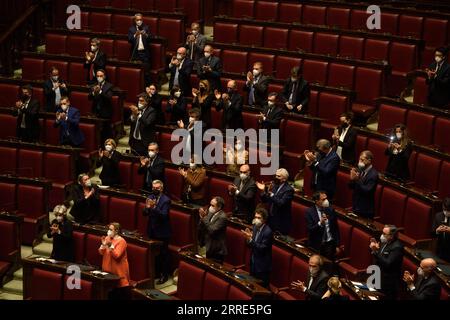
399,150
203,100
334,290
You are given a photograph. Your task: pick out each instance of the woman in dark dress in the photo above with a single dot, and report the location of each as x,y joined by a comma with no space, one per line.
61,231
399,150
203,100
86,201
155,101
176,106
110,159
334,291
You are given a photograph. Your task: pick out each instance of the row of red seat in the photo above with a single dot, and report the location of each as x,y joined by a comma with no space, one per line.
10,248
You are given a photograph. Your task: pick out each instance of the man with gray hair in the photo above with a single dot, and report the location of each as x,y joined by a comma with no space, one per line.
426,286
324,164
279,196
95,60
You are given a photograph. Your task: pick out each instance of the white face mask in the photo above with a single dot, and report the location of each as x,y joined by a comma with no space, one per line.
313,271
152,154
238,146
383,239
293,79
257,222
211,209
93,48
108,147
110,233
59,218
243,176
192,166
361,165
191,119
398,135
325,203
420,272
139,23
270,103
64,107
88,183
179,56
438,59
194,32
207,55
177,94
447,213
141,106
55,78
100,79
255,72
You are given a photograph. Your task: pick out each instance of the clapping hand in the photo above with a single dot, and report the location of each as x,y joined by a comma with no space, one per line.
299,107
249,76
194,92
260,185
54,228
354,174
299,285
180,123
232,188
19,104
248,233
408,278
150,203
217,94
289,106
144,161
183,172
174,61
202,212
374,245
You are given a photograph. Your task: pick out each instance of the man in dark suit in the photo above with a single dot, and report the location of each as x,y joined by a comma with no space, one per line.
259,239
441,230
271,116
180,69
68,119
27,113
212,230
316,281
157,209
231,103
257,85
152,167
296,93
427,286
243,191
344,139
324,165
95,60
209,67
364,182
143,122
195,43
155,102
101,96
54,89
280,200
439,80
323,230
388,255
61,230
139,38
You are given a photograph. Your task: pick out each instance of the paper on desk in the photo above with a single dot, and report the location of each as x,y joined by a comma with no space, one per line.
357,283
373,298
99,272
372,289
299,245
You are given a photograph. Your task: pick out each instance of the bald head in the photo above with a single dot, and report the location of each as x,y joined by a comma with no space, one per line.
428,265
231,84
244,169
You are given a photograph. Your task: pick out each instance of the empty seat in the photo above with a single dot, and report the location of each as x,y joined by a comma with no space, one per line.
165,5
100,22
326,43
243,8
389,116
266,59
7,196
33,69
78,245
237,248
8,96
315,71
175,183
378,147
100,3
192,8
345,236
234,61
120,23
182,222
341,75
420,91
331,106
138,260
403,59
284,65
301,40
107,46
293,130
299,271
276,38
444,180
8,159
281,263
298,228
392,207
144,5
359,255
314,15
61,177
351,47
225,32
85,292
55,43
251,35
190,282
368,85
30,163
343,193
111,72
417,221
266,10
338,17
289,12
92,243
435,32
123,211
441,134
32,202
358,19
410,26
361,144
235,293
51,281
389,23
250,120
215,288
122,50
131,80
120,4
77,45
77,74
125,169
172,30
420,127
376,50
429,178
80,101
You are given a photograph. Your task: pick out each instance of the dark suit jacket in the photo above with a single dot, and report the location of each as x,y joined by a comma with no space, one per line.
390,261
178,110
155,171
318,286
280,208
261,257
244,201
213,233
398,164
261,89
101,103
184,77
50,95
205,108
301,95
158,226
134,42
426,289
31,114
363,198
70,128
63,249
198,47
326,169
147,126
348,145
443,239
85,210
273,120
110,174
439,87
99,63
216,71
316,231
232,113
156,103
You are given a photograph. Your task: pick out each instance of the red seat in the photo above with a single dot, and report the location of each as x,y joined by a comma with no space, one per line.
243,8
345,236
7,196
301,40
281,263
120,23
236,243
341,75
80,101
403,59
250,35
392,207
289,12
326,43
378,147
111,72
389,116
331,106
123,211
358,19
39,96
284,65
276,38
295,147
130,80
190,282
125,169
420,91
250,120
343,196
441,134
100,3
192,9
107,46
85,292
429,178
299,271
165,5
234,293
338,17
30,163
225,32
359,256
138,260
314,15
444,180
315,71
266,10
361,144
92,256
157,52
120,4
376,50
61,177
77,74
62,66
8,129
55,43
8,159
266,59
9,239
104,207
417,221
215,288
90,143
122,50
50,132
166,145
234,61
389,23
368,85
33,69
8,96
172,30
435,32
78,245
174,183
144,5
410,26
420,127
351,47
219,187
51,281
182,223
137,180
298,227
77,45
100,22
32,202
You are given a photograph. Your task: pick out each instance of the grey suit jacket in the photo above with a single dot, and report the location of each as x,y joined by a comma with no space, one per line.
213,232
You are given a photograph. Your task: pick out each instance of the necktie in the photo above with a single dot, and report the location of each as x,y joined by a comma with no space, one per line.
175,80
149,179
292,96
311,279
241,185
137,132
251,96
141,44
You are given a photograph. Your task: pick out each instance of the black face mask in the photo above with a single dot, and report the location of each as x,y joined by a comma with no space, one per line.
344,125
230,91
202,89
25,97
156,192
277,180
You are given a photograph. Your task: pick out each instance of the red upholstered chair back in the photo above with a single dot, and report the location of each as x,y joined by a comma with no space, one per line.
281,263
31,201
92,255
84,293
237,247
138,260
190,282
215,288
8,239
298,228
46,285
181,225
234,293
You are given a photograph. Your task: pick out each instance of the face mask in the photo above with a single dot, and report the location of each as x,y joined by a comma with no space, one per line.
255,72
313,271
25,97
238,146
447,213
398,135
243,176
293,79
344,125
277,180
141,106
207,55
257,222
139,23
211,209
88,183
325,203
192,166
156,192
59,218
152,92
230,90
108,147
177,94
383,239
64,107
270,103
110,233
361,165
55,78
100,79
152,154
438,59
194,32
191,119
179,56
420,272
93,48
202,89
